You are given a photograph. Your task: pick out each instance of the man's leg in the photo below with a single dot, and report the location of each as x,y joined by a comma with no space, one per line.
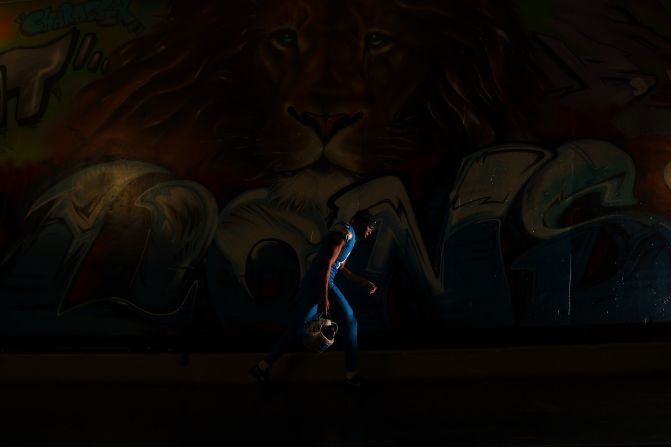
347,326
306,310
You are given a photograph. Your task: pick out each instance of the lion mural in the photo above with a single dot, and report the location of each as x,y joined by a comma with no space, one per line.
253,92
307,100
229,139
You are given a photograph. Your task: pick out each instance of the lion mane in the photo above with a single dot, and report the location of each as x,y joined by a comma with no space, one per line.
184,95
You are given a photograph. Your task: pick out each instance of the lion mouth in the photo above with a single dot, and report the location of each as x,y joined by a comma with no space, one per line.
325,125
321,166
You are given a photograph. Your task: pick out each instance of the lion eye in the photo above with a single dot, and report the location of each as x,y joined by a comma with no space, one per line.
377,41
285,37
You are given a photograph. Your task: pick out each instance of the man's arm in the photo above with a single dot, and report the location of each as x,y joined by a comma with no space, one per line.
363,282
336,243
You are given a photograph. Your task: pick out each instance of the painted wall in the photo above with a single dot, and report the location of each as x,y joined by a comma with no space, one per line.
173,170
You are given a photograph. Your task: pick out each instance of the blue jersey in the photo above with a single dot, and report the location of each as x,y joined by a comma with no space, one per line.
347,232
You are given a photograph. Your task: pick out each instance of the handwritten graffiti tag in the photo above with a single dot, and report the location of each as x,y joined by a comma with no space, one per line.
28,73
100,12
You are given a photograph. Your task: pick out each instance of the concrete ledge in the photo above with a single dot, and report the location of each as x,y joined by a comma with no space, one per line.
619,359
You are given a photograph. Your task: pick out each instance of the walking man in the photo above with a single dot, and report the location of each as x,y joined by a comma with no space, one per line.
319,293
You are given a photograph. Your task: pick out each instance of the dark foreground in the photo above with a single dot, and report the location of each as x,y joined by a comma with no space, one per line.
547,411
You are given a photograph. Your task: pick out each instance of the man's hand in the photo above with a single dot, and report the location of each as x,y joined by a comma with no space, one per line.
363,282
369,286
324,307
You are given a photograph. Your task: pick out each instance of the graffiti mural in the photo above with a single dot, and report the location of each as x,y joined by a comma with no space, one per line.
170,169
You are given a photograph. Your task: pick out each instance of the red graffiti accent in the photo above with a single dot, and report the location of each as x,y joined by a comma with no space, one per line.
270,288
221,184
15,184
6,29
557,121
183,155
601,262
508,245
90,279
651,155
83,289
581,210
418,171
17,179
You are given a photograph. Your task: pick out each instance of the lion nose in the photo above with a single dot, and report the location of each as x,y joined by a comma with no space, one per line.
325,125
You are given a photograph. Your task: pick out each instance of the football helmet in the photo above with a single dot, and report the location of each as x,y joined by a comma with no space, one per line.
319,333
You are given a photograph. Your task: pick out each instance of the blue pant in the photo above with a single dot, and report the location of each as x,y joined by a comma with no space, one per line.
341,313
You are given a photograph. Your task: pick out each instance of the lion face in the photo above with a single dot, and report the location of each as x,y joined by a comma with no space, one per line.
254,92
338,75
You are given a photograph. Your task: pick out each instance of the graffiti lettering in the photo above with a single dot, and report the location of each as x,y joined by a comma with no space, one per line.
489,181
102,12
580,168
27,73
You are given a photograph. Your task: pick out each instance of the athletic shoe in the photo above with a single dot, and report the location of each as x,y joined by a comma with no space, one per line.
354,381
259,374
